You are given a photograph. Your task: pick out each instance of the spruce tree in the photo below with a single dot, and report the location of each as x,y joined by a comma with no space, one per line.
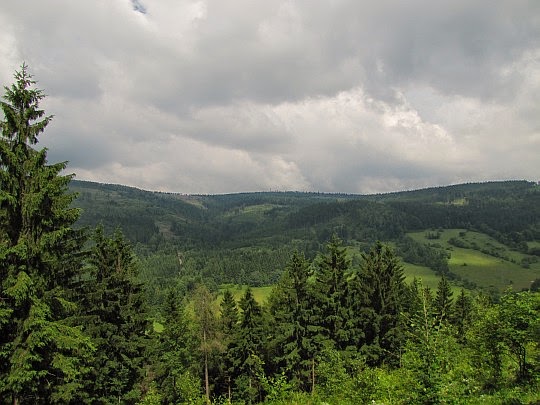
330,294
461,315
42,355
229,315
443,300
381,277
293,331
247,348
175,353
116,320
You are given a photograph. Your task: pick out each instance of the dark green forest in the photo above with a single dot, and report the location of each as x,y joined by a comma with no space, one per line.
111,294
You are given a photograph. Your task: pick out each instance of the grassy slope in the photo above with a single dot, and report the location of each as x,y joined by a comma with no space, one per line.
260,294
484,269
427,276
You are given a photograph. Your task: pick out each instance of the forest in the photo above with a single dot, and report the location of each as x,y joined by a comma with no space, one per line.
110,294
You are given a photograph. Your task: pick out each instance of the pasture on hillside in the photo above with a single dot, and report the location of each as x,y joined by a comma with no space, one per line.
482,259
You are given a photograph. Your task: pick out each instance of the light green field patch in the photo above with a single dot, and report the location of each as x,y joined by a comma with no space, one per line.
489,271
428,277
251,211
457,201
258,209
485,270
260,294
158,327
196,201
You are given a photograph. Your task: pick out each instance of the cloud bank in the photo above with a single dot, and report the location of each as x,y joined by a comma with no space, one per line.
342,96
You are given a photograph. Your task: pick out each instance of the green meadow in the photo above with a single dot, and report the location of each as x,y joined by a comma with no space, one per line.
484,261
424,274
260,294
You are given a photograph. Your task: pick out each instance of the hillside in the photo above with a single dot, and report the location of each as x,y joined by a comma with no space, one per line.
247,238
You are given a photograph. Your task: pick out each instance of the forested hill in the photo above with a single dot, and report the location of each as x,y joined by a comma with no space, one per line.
509,211
247,238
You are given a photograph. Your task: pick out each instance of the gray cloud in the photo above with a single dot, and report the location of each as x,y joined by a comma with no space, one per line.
205,96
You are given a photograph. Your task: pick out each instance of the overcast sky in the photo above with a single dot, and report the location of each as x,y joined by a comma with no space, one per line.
334,96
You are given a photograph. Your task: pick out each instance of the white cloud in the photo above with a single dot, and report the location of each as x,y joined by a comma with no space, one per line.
207,96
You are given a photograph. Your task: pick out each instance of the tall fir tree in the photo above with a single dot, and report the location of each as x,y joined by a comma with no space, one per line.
246,350
175,353
443,300
228,324
116,320
330,294
42,355
229,315
382,280
461,315
293,333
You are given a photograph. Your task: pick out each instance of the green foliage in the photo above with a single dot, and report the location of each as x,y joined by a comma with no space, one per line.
174,354
276,388
427,255
443,300
189,390
461,316
380,296
446,350
332,378
229,314
115,317
330,293
42,353
520,318
505,338
151,397
438,363
247,238
207,330
295,333
337,329
245,351
486,339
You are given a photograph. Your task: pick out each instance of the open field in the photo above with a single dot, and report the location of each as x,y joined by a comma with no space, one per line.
427,276
260,294
484,261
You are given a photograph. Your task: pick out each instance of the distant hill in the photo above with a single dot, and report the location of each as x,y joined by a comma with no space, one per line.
509,210
252,234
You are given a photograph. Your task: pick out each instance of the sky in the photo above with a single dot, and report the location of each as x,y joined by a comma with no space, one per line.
255,95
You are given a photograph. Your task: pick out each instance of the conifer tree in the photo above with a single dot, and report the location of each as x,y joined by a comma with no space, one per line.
293,332
115,313
247,348
175,353
443,300
381,277
229,314
330,293
42,355
461,315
